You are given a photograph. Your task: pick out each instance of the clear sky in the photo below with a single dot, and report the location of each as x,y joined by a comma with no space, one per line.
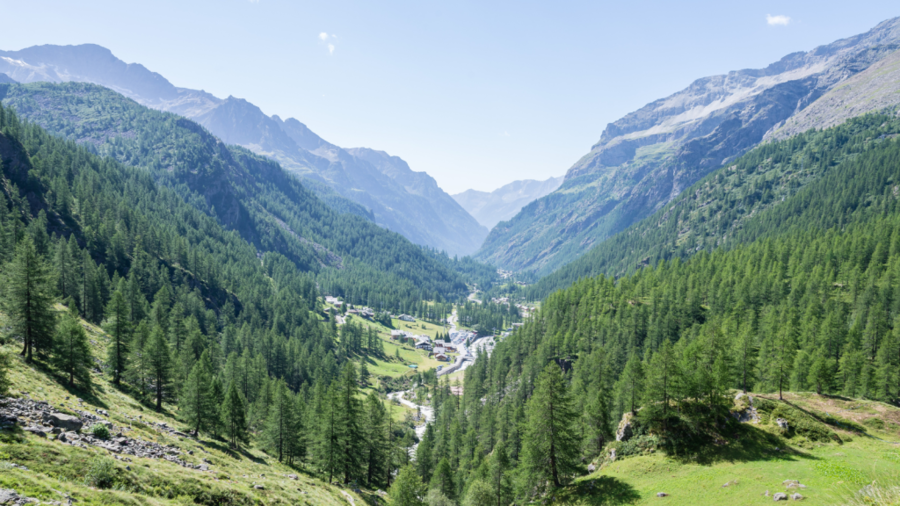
476,93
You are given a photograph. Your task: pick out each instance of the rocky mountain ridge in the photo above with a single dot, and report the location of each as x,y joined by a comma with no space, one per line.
426,215
645,159
490,208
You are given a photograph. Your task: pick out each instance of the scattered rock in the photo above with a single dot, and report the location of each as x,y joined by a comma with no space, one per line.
780,496
796,497
730,483
661,494
782,423
203,467
292,476
259,487
591,467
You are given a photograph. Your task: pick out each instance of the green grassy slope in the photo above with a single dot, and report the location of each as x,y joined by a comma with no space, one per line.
759,459
54,468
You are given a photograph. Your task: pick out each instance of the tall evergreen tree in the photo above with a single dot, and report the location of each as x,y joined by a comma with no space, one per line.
279,432
195,404
118,326
233,414
630,386
376,449
71,352
550,448
407,488
160,364
349,426
28,300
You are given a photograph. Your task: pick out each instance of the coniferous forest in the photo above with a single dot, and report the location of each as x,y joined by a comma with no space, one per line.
206,267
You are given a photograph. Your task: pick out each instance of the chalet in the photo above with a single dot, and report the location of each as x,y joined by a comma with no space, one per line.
423,344
397,334
407,318
331,300
441,357
439,350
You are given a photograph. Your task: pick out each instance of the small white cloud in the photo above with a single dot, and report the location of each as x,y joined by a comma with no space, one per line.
777,20
323,36
330,48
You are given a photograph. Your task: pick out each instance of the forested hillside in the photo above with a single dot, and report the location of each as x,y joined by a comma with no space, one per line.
268,207
192,315
806,299
816,180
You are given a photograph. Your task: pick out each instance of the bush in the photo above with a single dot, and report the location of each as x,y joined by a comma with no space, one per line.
843,423
99,430
875,423
801,424
637,445
102,473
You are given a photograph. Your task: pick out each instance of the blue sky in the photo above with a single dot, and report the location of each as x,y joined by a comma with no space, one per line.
476,93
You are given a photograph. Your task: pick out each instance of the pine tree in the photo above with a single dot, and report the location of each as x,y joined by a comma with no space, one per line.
442,479
217,392
233,413
630,386
822,371
195,404
71,352
376,446
28,302
4,367
279,430
407,488
499,475
550,448
350,434
118,326
159,364
328,444
661,379
138,372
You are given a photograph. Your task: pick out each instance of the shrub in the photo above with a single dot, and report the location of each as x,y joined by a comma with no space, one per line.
637,445
875,423
99,430
102,473
843,423
799,423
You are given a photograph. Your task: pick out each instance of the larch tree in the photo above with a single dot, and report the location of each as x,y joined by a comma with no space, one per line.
28,300
71,351
195,404
233,413
118,326
159,362
550,448
407,488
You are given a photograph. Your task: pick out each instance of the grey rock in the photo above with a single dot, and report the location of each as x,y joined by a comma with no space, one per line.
780,496
625,429
781,422
292,476
259,487
796,497
661,494
67,422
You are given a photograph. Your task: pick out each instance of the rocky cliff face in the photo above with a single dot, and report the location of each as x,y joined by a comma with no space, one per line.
648,157
399,199
490,208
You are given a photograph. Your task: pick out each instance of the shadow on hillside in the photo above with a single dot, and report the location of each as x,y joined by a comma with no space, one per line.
749,443
89,393
601,491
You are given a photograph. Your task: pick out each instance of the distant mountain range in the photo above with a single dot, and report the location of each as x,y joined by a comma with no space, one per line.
490,208
383,188
650,156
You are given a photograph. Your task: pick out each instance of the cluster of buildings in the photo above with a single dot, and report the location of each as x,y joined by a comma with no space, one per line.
361,311
438,348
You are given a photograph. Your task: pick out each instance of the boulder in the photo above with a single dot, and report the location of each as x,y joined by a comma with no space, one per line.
661,494
796,497
259,487
67,422
782,423
8,496
626,427
292,476
780,496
